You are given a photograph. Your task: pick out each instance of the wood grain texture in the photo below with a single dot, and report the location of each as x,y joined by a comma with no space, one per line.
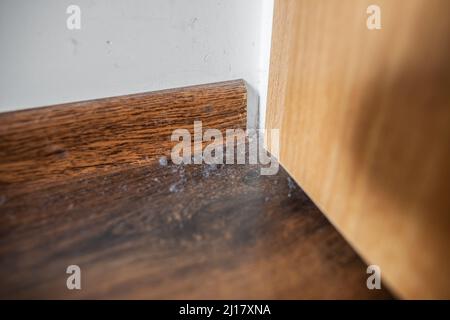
224,232
81,184
69,140
364,119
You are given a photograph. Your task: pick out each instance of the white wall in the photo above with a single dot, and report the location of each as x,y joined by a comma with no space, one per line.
129,46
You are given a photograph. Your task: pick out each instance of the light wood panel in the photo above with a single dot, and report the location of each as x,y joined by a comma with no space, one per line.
364,119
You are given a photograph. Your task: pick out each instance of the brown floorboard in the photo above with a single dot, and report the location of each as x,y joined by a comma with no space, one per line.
188,231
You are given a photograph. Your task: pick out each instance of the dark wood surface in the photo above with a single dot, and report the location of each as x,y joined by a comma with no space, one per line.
192,231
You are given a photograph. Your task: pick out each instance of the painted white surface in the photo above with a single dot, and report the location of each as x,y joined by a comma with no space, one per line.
129,46
264,58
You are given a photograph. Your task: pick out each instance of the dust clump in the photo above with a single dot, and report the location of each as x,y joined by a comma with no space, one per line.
291,186
178,186
208,170
163,161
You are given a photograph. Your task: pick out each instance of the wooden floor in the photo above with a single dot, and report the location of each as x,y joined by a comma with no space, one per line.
168,231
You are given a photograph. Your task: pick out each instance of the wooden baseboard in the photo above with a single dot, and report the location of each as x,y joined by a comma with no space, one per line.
63,141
